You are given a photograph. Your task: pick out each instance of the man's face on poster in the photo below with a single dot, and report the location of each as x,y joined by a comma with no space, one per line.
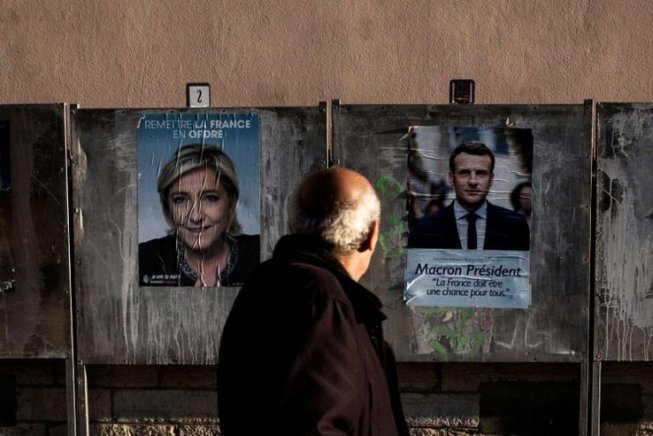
471,179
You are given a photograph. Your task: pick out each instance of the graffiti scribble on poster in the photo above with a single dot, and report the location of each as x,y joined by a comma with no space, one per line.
469,212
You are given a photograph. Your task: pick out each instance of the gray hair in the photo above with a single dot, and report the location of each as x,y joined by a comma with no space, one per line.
345,226
191,157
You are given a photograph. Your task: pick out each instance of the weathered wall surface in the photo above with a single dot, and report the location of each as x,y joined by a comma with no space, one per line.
128,53
439,399
33,398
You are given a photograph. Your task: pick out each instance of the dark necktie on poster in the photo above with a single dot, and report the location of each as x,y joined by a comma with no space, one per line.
471,231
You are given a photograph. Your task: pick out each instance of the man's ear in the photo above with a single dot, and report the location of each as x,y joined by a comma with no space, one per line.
450,178
372,237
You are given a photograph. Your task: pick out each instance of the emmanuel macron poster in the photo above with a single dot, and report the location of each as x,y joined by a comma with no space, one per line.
469,212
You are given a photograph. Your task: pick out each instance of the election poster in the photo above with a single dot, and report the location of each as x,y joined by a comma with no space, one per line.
468,213
198,198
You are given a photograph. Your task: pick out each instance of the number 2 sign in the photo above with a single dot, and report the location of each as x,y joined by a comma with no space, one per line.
198,95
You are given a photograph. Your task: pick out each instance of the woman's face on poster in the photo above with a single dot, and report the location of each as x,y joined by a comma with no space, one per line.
200,208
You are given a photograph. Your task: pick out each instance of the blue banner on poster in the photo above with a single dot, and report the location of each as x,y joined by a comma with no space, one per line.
467,278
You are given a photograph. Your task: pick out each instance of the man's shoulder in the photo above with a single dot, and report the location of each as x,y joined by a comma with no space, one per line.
303,279
504,213
506,230
444,214
436,230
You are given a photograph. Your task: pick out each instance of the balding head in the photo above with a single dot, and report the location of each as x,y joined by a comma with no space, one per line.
336,205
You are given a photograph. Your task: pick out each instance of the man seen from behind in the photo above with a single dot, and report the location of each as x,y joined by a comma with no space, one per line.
302,351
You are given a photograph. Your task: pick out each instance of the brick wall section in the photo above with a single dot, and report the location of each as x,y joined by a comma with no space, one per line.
39,395
152,400
467,377
41,404
627,374
439,398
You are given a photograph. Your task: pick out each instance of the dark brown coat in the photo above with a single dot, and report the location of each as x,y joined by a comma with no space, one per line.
302,352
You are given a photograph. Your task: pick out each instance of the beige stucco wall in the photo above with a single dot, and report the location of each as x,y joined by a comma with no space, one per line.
137,53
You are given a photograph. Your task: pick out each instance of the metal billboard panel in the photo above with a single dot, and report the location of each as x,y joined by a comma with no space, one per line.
34,253
554,327
120,322
624,251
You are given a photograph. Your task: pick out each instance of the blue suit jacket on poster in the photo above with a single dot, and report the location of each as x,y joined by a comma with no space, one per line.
505,230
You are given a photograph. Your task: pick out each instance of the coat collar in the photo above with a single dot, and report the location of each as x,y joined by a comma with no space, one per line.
310,250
